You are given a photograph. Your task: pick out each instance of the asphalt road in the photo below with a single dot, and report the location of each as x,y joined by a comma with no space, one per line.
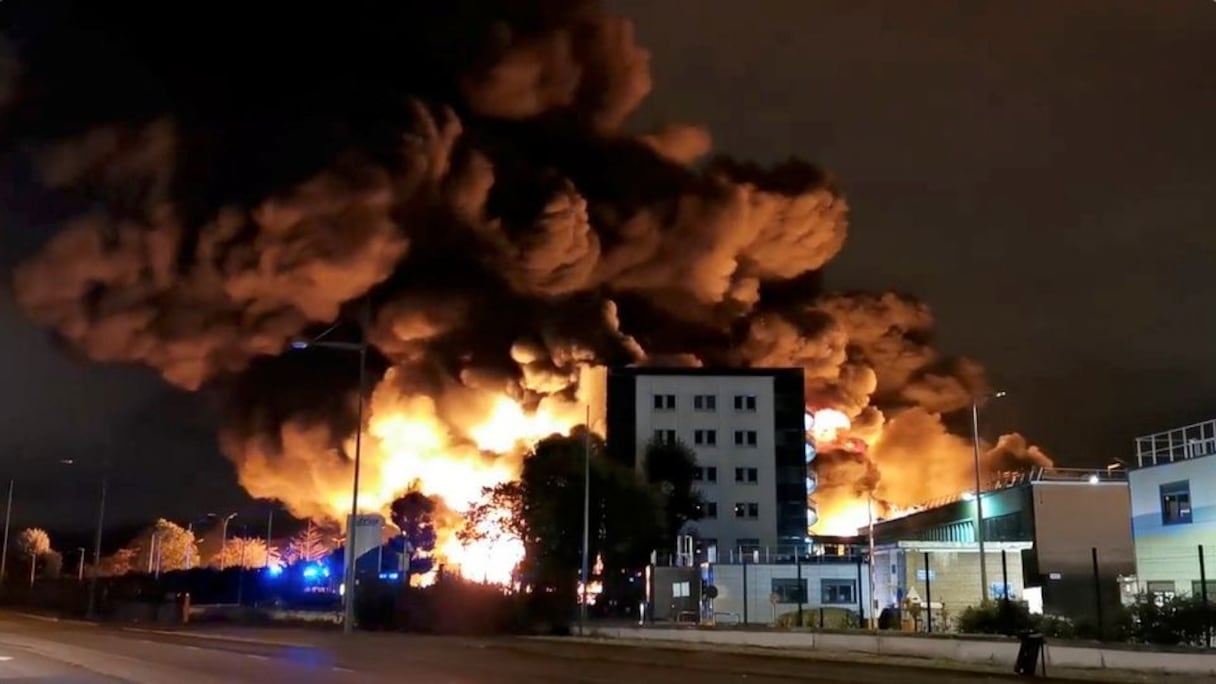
37,649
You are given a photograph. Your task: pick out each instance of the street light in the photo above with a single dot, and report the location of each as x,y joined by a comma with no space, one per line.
979,489
224,540
80,565
348,575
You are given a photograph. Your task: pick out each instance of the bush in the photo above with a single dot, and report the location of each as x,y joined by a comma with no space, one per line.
1176,621
1055,627
996,617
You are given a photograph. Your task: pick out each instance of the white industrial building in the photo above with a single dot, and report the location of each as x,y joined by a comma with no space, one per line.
1173,505
747,429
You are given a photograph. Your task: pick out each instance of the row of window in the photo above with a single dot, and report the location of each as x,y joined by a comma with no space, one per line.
743,438
831,591
839,592
746,510
710,474
704,402
1167,589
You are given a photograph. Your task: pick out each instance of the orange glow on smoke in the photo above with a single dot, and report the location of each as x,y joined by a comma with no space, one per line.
827,424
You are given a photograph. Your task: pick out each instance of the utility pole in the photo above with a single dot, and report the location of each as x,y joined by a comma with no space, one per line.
582,615
101,515
979,491
8,515
269,529
80,566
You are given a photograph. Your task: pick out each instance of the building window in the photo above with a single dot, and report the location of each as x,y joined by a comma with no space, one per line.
745,402
704,402
749,475
709,509
705,437
745,438
789,590
665,436
747,543
747,510
1176,503
1197,590
681,589
838,592
664,402
1161,592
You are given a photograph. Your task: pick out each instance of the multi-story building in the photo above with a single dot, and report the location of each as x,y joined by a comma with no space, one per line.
747,429
1056,538
1173,509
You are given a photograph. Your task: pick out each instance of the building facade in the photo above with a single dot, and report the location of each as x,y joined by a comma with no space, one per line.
834,590
1173,511
1061,522
746,427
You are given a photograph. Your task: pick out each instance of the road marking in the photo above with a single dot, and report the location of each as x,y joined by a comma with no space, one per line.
256,656
5,658
192,648
341,669
188,634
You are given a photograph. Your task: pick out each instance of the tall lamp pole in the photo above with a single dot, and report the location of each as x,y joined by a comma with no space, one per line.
224,541
8,516
979,490
101,517
348,575
582,613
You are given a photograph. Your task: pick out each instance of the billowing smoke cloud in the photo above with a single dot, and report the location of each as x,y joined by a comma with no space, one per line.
465,168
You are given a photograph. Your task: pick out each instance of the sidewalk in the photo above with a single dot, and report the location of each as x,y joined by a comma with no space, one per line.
1057,674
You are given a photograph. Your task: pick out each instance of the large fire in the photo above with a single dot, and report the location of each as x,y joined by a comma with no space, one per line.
451,450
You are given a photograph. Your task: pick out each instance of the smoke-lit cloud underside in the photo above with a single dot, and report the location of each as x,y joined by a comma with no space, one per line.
469,169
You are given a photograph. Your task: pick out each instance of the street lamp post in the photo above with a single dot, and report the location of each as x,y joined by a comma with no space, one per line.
979,491
224,541
582,614
80,564
348,575
101,517
8,515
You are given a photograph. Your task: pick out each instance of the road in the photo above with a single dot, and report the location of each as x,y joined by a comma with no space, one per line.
79,652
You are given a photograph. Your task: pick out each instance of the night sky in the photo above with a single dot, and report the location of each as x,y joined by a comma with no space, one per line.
1040,172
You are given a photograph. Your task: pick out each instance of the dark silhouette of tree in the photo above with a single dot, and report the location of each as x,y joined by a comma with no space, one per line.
545,510
671,467
414,515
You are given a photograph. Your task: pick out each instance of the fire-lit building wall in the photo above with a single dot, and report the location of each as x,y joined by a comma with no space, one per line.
946,575
1173,512
1060,523
746,428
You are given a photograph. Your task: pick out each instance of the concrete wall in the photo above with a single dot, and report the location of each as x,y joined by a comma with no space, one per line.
965,650
725,456
1169,554
1072,519
760,610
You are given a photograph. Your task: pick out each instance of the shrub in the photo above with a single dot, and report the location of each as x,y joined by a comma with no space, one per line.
1175,621
996,617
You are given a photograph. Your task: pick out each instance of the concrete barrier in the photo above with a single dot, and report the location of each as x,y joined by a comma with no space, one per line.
960,649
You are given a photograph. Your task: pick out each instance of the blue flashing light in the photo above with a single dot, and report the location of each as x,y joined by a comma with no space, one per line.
324,571
311,572
390,575
274,570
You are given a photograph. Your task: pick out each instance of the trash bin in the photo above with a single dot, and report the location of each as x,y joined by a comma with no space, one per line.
1030,654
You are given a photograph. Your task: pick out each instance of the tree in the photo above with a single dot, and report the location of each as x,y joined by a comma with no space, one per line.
545,510
121,563
164,545
671,467
247,552
414,515
307,546
33,541
34,544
